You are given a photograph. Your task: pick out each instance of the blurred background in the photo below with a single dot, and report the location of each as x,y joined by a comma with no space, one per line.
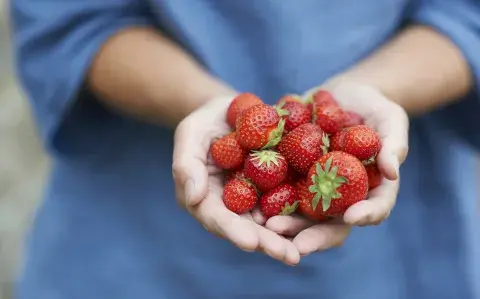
23,164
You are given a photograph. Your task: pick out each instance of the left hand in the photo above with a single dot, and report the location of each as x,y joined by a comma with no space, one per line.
391,122
199,187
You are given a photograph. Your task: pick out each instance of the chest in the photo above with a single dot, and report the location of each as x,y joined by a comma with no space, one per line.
287,45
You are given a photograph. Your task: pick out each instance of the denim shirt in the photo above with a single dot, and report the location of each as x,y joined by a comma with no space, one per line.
109,226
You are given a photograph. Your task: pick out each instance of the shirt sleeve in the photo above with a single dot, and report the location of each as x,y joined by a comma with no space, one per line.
54,44
459,20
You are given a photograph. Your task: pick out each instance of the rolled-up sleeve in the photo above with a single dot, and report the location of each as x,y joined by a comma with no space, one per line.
459,20
54,44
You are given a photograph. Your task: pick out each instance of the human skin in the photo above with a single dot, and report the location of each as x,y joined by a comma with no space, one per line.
419,69
144,75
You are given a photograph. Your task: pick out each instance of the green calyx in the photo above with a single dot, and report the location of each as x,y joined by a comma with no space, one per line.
369,161
276,135
325,184
326,143
280,111
289,209
266,157
309,99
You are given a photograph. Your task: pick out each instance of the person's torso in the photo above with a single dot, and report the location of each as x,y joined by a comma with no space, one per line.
110,227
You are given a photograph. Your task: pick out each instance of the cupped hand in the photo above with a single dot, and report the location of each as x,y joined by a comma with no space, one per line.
199,186
391,122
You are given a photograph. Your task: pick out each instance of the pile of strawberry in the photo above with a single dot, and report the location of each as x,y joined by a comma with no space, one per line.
312,156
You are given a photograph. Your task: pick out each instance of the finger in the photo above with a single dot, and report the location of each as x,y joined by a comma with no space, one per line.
242,231
288,225
377,208
292,257
212,167
217,219
258,217
189,160
277,247
272,245
321,237
392,125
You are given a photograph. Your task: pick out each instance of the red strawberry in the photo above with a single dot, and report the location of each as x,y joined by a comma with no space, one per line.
289,98
305,201
294,114
227,152
240,103
339,180
337,141
266,169
352,119
259,126
330,118
303,146
239,196
239,174
321,98
281,200
362,142
374,175
292,176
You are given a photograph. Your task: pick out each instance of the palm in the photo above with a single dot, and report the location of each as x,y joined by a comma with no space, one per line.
192,142
203,200
391,122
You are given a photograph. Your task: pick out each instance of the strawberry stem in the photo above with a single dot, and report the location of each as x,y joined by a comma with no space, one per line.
266,156
309,99
280,111
326,143
276,135
289,209
369,161
325,183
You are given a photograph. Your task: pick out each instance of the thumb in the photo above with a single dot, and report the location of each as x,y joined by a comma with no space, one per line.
394,150
189,164
191,179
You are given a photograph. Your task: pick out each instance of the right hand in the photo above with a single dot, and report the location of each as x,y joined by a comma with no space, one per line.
199,186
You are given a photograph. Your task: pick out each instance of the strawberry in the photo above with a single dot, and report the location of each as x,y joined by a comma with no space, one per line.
337,141
239,174
227,152
281,200
305,201
239,196
321,98
294,114
259,127
330,118
240,103
292,176
266,169
303,146
289,98
352,119
338,180
374,175
362,142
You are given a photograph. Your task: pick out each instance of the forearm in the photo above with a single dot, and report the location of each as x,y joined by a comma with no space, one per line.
143,74
420,69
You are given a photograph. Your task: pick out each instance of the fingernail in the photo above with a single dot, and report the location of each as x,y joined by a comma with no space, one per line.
396,165
189,189
248,250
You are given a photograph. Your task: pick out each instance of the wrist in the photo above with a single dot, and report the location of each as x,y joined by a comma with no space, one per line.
199,92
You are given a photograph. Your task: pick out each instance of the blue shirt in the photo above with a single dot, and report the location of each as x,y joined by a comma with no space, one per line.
109,226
